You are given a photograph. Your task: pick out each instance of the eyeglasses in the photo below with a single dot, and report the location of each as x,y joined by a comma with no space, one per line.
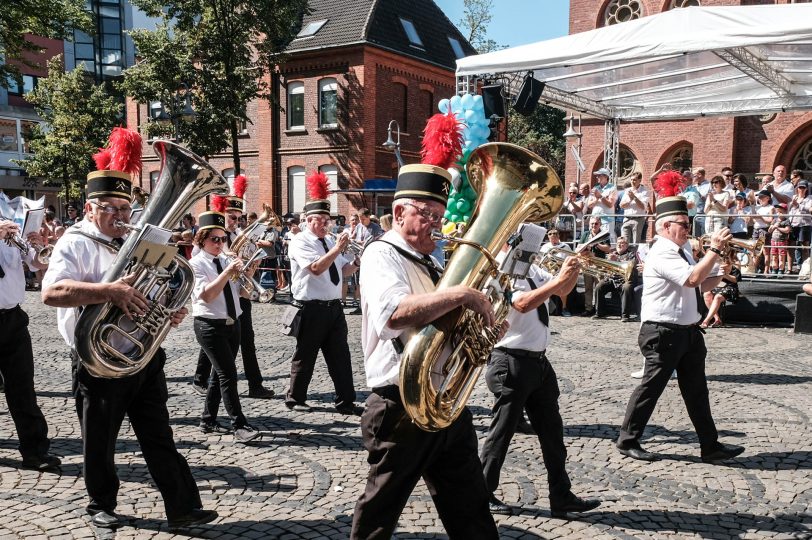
231,216
111,210
428,215
684,224
218,239
728,175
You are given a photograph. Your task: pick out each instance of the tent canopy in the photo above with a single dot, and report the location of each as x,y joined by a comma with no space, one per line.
683,63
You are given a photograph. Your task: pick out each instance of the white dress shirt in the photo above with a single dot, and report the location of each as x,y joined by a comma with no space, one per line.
305,248
12,286
205,273
78,258
629,205
603,208
526,331
784,188
388,278
666,299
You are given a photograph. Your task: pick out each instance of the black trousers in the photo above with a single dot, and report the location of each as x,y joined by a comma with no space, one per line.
667,349
17,370
628,303
250,362
523,383
322,327
142,398
400,453
221,341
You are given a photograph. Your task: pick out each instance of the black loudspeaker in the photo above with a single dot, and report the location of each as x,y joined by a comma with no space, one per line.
493,101
528,96
803,314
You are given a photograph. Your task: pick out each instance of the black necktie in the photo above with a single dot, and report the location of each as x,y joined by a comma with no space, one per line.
333,270
699,302
544,315
232,311
118,242
2,272
433,273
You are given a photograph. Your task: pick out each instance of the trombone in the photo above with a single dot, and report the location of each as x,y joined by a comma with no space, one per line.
592,266
42,255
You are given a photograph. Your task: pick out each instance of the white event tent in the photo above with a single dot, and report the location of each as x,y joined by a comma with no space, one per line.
683,63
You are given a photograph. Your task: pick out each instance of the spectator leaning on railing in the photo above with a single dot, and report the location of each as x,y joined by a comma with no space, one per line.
800,209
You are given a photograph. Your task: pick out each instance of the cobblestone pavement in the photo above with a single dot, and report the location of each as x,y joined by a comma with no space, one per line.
303,478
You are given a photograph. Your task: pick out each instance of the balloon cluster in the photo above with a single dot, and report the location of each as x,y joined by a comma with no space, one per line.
470,110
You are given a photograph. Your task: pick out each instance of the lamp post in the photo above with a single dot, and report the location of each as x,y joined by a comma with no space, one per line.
572,135
181,109
391,144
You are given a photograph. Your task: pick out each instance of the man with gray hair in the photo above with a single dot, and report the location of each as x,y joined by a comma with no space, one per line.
670,338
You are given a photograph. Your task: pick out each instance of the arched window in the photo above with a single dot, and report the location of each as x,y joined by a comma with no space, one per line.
328,103
681,158
331,171
296,189
683,3
427,98
625,162
619,11
296,105
803,159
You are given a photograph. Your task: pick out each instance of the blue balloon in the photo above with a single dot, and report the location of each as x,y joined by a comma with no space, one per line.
456,104
467,101
470,117
443,106
478,103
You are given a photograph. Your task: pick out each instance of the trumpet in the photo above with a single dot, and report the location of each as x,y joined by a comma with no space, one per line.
43,253
353,248
592,266
752,247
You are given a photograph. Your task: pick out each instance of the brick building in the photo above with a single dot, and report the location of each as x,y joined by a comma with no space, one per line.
355,67
750,144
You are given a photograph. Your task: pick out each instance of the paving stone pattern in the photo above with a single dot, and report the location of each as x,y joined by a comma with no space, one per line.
303,478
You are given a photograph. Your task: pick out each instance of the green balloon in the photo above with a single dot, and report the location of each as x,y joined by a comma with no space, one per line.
447,215
466,218
463,206
456,218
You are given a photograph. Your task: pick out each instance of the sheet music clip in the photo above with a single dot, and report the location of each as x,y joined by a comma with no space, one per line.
153,247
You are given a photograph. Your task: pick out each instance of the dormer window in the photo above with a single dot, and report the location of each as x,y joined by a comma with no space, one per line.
311,28
411,33
456,47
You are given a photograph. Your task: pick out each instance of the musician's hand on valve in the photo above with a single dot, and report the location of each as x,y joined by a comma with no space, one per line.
127,298
720,238
234,268
178,317
8,229
503,328
478,302
343,241
569,268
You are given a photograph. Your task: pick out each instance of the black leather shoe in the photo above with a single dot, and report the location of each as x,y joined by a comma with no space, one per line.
213,427
48,462
636,452
352,410
722,452
198,516
106,520
524,427
573,504
200,389
298,407
498,507
260,392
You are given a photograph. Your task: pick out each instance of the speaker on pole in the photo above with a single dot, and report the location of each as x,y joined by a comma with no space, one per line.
528,96
493,101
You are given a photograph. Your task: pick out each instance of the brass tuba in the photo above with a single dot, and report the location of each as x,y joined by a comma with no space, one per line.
442,361
109,344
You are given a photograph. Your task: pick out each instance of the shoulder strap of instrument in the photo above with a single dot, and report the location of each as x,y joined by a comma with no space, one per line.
429,266
106,243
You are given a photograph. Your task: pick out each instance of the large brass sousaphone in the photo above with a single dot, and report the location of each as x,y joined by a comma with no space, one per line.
442,361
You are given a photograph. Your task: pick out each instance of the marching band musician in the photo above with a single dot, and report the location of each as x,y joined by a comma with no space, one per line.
399,296
317,267
16,354
217,325
670,338
522,378
72,281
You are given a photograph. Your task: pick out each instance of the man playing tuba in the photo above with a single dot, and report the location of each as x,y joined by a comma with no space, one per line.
398,297
72,282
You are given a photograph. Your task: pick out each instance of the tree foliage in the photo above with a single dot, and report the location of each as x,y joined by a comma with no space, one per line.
223,50
541,132
476,18
79,116
46,18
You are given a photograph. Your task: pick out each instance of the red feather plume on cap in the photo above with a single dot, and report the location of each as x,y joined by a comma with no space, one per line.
317,186
124,146
442,140
240,185
668,184
102,159
218,203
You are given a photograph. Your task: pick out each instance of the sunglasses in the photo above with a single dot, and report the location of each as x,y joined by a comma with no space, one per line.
684,224
218,239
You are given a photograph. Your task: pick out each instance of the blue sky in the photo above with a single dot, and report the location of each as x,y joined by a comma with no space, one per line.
517,22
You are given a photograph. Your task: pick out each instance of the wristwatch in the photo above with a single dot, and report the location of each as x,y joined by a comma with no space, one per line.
717,251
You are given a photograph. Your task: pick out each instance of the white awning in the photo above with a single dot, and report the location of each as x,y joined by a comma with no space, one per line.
683,63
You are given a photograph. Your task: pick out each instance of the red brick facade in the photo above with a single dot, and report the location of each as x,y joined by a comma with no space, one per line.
372,86
749,144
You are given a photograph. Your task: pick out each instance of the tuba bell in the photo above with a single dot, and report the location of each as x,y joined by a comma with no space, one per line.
442,361
111,345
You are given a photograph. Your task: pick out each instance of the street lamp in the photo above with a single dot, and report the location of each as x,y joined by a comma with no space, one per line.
572,135
392,145
181,109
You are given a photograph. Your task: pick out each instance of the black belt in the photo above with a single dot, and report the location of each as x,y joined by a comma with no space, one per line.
325,303
9,310
390,392
674,326
522,352
219,322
